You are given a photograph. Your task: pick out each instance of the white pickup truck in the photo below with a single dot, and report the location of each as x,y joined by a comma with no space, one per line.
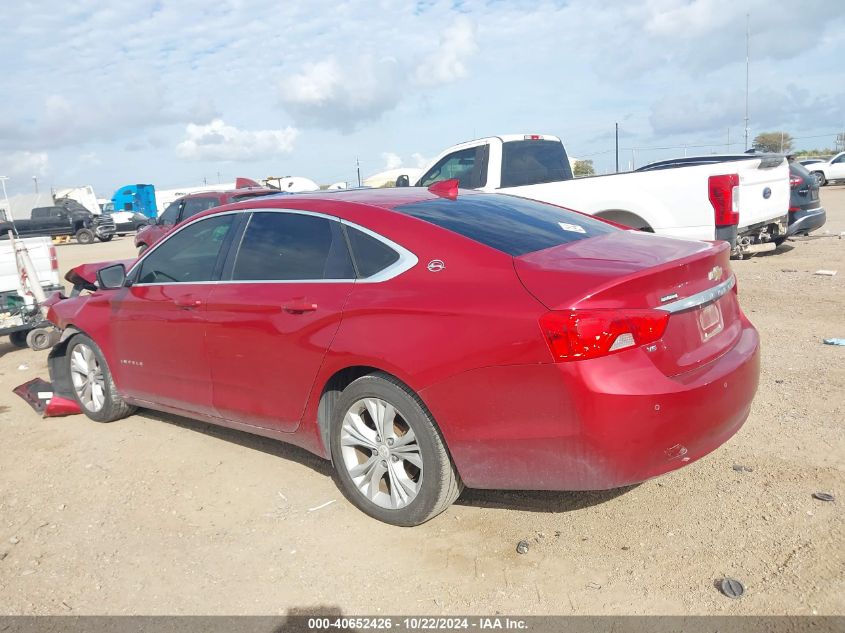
742,199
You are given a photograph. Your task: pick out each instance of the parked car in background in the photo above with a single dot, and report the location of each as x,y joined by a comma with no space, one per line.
70,219
740,199
827,171
129,221
810,161
806,213
423,340
190,205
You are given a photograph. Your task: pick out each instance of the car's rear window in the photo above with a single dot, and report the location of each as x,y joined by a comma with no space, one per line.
512,225
533,162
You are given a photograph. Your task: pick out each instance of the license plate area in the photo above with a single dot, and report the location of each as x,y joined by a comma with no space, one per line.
710,321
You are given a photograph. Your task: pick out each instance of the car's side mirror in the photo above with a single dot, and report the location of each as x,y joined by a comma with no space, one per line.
111,277
403,181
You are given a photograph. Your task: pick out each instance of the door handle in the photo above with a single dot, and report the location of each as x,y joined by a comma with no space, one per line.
188,303
299,306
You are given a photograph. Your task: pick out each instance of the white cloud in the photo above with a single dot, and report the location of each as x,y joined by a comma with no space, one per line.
449,62
24,164
342,96
217,141
391,160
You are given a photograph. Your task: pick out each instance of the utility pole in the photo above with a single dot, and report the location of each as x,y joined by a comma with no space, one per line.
218,178
35,180
358,165
729,141
747,57
617,148
781,142
3,180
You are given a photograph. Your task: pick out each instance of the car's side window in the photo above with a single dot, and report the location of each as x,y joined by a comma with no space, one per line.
285,246
170,215
841,159
189,255
195,205
371,255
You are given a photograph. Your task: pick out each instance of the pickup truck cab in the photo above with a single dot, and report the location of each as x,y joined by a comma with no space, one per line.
70,219
826,171
740,199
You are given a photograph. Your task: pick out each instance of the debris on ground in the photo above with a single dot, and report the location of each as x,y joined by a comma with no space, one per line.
23,367
825,273
14,540
327,503
740,468
731,588
522,547
823,496
789,270
39,394
834,341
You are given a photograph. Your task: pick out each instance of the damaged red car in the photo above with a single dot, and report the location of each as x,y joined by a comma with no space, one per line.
424,340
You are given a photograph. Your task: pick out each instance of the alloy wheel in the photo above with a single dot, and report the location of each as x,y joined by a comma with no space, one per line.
87,377
381,454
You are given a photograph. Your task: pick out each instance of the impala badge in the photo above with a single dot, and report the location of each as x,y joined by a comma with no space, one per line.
715,273
436,265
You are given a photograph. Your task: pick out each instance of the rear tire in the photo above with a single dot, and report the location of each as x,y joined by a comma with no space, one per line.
820,177
85,236
393,465
92,383
18,338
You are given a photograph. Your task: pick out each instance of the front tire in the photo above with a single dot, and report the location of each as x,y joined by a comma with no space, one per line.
820,177
390,457
92,383
85,236
106,238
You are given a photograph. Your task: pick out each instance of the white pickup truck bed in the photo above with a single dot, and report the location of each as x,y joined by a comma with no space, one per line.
673,198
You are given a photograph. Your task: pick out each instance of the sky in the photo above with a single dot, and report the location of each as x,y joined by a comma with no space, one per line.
178,93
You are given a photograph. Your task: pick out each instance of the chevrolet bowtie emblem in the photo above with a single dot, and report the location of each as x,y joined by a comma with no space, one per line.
715,273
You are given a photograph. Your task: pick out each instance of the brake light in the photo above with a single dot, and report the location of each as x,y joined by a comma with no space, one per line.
795,181
794,209
583,334
724,194
54,259
532,137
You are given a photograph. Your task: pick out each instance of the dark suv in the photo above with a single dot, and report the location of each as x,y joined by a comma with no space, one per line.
187,207
805,210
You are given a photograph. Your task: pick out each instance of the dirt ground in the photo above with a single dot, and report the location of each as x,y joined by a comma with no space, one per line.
162,515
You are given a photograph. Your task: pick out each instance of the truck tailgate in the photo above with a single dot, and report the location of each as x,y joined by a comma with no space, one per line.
763,189
41,252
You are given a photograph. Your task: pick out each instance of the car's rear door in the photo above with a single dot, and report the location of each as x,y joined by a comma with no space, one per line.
272,317
158,324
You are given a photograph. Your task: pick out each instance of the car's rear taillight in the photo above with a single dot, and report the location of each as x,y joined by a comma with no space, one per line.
724,193
583,334
795,181
54,259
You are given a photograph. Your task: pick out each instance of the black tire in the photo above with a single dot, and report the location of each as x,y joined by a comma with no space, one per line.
18,338
141,249
106,238
820,177
85,236
114,407
440,483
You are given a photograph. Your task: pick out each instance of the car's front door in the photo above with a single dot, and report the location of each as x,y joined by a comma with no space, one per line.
272,317
837,168
158,323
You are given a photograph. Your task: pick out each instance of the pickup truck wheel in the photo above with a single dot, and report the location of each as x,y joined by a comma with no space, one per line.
390,457
93,386
820,177
85,236
106,238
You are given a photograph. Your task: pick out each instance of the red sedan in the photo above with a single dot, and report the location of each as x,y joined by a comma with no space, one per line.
424,340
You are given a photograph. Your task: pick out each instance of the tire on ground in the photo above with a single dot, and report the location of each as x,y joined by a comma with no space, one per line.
85,236
114,407
441,484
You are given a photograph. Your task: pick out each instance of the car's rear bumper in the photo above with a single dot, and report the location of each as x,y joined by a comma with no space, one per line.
591,425
805,221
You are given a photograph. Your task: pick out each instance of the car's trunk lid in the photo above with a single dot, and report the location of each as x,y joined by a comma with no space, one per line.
632,270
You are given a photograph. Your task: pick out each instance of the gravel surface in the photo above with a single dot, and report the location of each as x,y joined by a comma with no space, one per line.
161,515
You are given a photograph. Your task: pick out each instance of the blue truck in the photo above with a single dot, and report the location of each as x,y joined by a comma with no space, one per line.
137,199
